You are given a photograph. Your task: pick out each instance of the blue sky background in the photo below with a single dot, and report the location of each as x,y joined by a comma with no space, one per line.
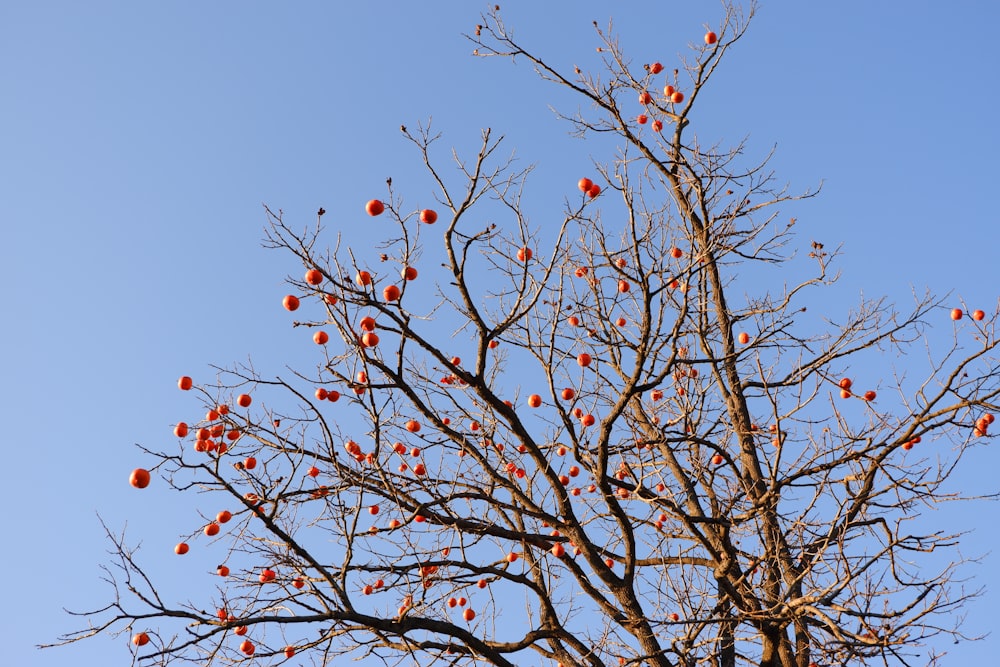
139,140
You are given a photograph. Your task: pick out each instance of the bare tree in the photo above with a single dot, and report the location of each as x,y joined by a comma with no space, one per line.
645,461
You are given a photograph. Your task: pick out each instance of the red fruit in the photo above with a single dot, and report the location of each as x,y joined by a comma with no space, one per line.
676,252
409,273
391,293
744,338
587,420
250,463
419,470
677,97
711,38
185,383
869,395
222,571
558,550
413,426
642,119
657,125
524,254
224,516
656,395
468,614
623,286
244,400
594,190
240,630
493,344
314,277
370,339
373,510
374,207
581,271
247,647
313,471
717,459
367,324
534,401
674,617
290,302
298,582
139,478
956,314
428,216
289,651
656,68
573,321
978,315
583,359
584,184
321,338
668,90
181,549
333,396
363,278
644,98
845,393
568,394
846,383
212,529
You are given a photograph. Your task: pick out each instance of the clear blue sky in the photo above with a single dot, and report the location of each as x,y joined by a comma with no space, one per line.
139,140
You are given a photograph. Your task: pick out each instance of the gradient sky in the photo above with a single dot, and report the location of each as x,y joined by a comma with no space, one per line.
140,140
